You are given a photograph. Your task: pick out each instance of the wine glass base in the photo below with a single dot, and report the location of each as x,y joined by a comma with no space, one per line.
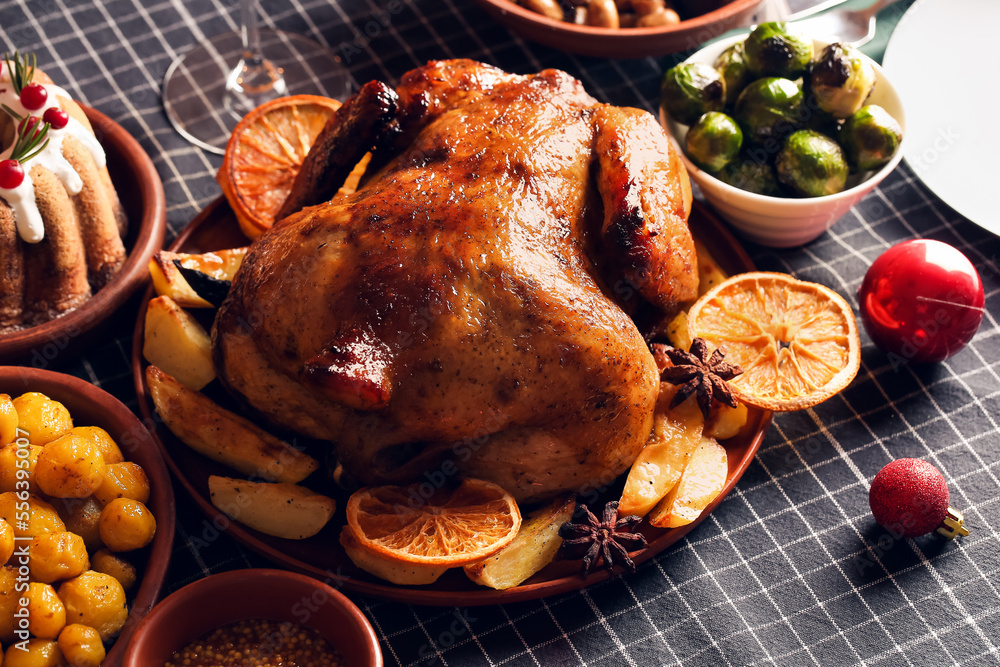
194,87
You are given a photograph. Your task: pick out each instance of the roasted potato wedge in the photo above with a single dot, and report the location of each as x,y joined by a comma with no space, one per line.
169,281
677,331
710,273
282,510
658,468
701,483
534,547
223,436
177,343
726,422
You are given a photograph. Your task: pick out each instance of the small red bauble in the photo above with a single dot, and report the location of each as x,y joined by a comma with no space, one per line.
56,117
11,174
34,96
909,496
921,300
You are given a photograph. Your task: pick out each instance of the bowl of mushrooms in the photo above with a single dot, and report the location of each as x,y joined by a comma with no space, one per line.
622,28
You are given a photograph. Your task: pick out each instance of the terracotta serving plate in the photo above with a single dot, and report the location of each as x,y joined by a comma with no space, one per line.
141,193
321,556
717,17
91,406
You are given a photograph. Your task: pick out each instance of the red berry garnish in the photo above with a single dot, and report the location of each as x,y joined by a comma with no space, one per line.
56,117
909,497
28,124
34,96
11,174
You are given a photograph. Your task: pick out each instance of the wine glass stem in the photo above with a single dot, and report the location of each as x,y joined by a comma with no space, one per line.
255,79
250,33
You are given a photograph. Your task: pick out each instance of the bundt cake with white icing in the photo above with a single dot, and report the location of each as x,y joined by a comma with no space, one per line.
61,223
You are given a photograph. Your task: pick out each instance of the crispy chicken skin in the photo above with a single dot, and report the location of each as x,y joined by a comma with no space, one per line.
465,309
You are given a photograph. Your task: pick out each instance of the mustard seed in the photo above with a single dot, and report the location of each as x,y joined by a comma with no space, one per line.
258,643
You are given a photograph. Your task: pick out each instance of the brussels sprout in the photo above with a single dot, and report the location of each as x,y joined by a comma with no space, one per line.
714,141
870,138
841,80
812,164
824,123
691,89
769,108
752,176
778,49
732,65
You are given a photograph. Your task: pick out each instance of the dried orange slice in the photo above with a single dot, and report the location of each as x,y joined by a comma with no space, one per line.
264,154
796,341
435,528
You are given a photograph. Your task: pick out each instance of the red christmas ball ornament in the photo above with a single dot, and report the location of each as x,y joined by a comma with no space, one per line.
34,96
11,174
56,117
910,497
921,301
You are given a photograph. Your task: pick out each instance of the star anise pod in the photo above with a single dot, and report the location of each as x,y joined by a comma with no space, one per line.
696,371
608,537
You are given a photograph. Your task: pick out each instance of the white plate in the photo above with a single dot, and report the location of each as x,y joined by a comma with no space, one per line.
942,59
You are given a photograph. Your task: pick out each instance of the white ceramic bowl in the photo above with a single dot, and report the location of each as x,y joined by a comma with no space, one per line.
783,222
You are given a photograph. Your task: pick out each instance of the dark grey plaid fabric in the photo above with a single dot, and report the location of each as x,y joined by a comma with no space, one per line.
791,569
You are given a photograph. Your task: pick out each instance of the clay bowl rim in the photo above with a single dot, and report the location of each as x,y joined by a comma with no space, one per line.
123,149
248,582
622,42
80,396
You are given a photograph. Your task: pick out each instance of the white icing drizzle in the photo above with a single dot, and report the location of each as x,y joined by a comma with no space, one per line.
76,129
21,199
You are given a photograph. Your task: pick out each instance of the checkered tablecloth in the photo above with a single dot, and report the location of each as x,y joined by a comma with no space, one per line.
791,569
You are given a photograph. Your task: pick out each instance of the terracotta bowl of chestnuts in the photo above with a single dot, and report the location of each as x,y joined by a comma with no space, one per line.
622,28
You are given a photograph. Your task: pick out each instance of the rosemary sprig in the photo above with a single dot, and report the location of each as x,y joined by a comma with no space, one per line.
29,136
21,73
13,113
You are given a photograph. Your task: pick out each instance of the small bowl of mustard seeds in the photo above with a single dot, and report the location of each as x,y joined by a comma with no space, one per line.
255,618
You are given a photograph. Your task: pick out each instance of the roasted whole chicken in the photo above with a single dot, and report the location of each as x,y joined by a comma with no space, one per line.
466,309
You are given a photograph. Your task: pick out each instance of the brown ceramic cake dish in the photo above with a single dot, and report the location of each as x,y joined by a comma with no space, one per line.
81,211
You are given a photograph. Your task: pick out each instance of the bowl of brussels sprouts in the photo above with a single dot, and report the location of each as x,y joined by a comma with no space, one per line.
783,133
